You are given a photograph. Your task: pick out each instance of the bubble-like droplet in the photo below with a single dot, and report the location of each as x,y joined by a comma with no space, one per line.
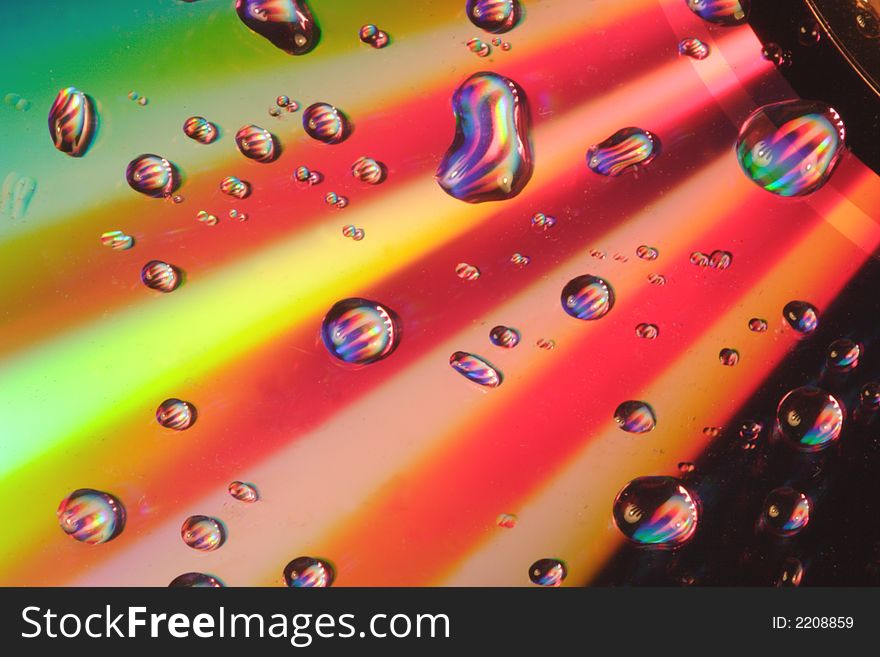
467,272
475,369
256,143
686,467
757,325
325,123
308,572
200,129
809,419
656,512
368,170
720,259
790,148
176,414
547,572
791,573
546,344
206,218
693,47
786,512
288,24
635,416
505,46
243,492
520,260
869,396
91,516
711,432
331,198
627,149
72,121
274,111
504,336
315,177
302,174
720,12
360,331
647,331
587,297
232,186
506,520
843,355
152,175
801,316
495,16
646,252
479,47
143,100
368,32
358,235
490,158
203,533
750,430
809,33
773,53
699,259
656,279
195,581
728,356
282,101
542,222
117,240
160,276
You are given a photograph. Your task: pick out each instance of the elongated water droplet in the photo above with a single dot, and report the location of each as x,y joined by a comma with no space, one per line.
467,272
176,414
203,533
256,143
160,276
490,158
721,12
547,572
801,316
694,48
476,369
288,24
244,492
360,331
646,252
656,512
72,120
117,240
809,419
91,516
628,149
587,297
232,186
495,16
325,123
308,572
720,259
635,416
152,175
195,581
647,331
786,512
200,129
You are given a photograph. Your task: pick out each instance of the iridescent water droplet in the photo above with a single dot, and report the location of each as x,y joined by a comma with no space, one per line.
358,235
693,47
809,419
801,316
646,252
495,16
243,492
490,158
308,572
325,123
720,259
315,178
331,198
203,533
368,170
656,279
506,520
542,222
478,47
368,32
288,24
176,414
635,416
467,272
256,143
142,101
791,573
195,581
341,202
274,111
791,148
843,355
505,46
647,331
91,516
152,175
200,129
232,186
302,174
160,276
360,331
504,336
72,120
520,260
133,95
656,512
117,240
750,430
757,325
547,572
720,12
546,344
206,218
587,297
786,512
282,101
728,356
699,259
628,149
869,396
475,369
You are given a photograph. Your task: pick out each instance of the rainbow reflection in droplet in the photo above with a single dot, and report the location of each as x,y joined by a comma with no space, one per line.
635,416
152,175
308,572
325,123
548,572
256,143
656,512
200,129
72,120
360,331
91,516
203,533
802,316
786,511
288,24
720,12
627,149
809,419
475,369
587,297
496,16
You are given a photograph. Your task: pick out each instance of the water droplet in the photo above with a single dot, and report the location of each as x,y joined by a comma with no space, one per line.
176,414
757,325
117,240
647,252
72,120
302,174
143,100
750,430
542,222
358,235
647,331
721,12
176,199
504,336
597,254
355,233
628,149
206,218
274,111
288,24
152,175
490,158
282,101
203,533
773,53
694,48
467,272
720,259
869,396
331,198
195,581
133,95
380,40
587,297
373,36
476,369
791,148
656,512
843,355
867,19
547,572
809,419
360,331
478,47
160,276
545,344
699,259
243,492
786,512
496,16
506,520
686,467
232,186
325,123
619,257
307,572
256,143
801,316
520,260
505,46
368,170
791,573
656,279
200,129
729,357
496,41
809,33
635,417
315,178
292,106
91,516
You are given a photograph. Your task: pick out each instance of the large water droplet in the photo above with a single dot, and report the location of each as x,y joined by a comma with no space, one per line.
288,24
152,175
256,143
195,581
656,512
786,512
160,276
693,47
496,16
790,148
720,12
244,492
325,123
72,120
200,129
801,316
232,186
587,297
308,572
843,355
547,572
360,331
91,516
627,149
635,416
203,533
176,414
809,419
476,369
490,158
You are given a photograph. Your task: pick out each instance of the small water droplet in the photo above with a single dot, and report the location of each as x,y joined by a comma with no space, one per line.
195,581
843,355
711,432
542,222
203,533
282,101
647,331
160,276
505,46
325,123
256,143
91,516
504,336
152,175
750,430
693,47
308,572
117,240
635,416
133,95
720,259
478,47
869,396
686,467
475,369
656,512
628,149
791,573
867,19
548,572
243,492
546,344
506,520
598,254
809,33
801,316
757,325
520,260
315,178
368,170
773,53
656,279
786,512
143,100
176,414
360,331
809,419
587,297
467,272
232,186
728,356
646,252
206,218
699,259
302,174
